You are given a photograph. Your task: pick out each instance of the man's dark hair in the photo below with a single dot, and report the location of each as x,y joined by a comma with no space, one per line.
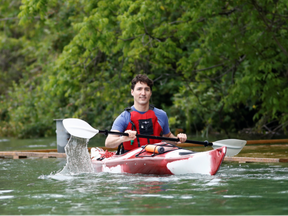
141,78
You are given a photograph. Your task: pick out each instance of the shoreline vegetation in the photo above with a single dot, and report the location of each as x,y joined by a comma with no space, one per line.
218,67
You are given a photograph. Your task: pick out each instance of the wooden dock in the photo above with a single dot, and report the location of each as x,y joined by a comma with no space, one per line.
30,154
52,153
38,154
256,160
261,142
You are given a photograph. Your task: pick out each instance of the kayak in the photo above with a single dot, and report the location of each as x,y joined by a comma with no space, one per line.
159,159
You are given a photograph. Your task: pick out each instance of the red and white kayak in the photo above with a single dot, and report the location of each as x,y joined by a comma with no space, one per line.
173,161
158,159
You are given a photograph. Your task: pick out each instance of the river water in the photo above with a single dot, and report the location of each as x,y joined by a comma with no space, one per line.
36,186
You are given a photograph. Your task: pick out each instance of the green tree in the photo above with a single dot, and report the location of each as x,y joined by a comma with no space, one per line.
214,63
240,60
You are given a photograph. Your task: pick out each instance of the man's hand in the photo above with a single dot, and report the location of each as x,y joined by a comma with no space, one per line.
182,137
132,135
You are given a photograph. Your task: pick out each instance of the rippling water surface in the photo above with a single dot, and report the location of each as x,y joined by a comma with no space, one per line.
34,186
46,186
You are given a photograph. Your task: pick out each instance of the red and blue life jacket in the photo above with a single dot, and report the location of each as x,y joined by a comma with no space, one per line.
147,124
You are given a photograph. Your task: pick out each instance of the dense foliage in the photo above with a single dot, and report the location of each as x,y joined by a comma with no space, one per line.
217,65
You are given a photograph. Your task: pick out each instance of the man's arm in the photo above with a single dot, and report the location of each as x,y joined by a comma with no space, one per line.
113,141
163,120
119,125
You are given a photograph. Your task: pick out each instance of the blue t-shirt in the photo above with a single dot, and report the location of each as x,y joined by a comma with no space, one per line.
122,121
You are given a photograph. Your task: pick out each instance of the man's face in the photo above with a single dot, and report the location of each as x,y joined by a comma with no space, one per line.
141,93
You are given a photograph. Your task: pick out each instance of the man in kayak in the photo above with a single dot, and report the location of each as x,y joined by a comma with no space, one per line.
141,118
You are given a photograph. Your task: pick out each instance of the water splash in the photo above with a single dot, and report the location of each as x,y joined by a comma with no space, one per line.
78,158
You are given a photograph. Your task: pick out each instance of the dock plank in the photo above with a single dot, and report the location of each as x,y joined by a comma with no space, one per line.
254,160
271,141
22,154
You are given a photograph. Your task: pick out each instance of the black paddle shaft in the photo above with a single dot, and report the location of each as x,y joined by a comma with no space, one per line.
205,143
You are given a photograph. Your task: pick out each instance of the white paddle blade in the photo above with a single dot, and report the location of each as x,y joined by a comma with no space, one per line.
79,128
234,146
